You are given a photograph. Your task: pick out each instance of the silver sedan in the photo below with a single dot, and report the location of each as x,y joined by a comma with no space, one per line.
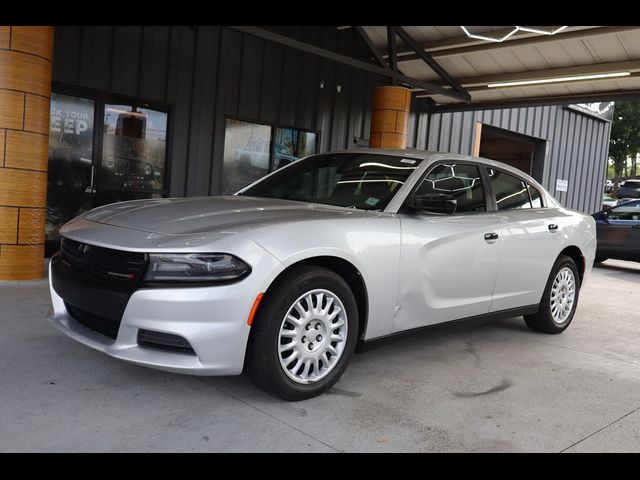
287,277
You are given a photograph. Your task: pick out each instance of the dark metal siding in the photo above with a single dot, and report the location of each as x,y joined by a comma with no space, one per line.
576,145
207,73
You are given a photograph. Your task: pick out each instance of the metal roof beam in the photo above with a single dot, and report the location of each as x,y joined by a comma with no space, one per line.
372,48
429,60
353,62
606,96
595,69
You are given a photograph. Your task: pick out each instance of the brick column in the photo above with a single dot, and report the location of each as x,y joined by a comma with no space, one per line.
25,90
390,117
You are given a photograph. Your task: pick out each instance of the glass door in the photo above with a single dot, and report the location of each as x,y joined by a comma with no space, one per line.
101,152
134,153
71,175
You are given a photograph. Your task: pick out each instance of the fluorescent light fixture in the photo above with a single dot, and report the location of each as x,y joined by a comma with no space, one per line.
542,32
559,79
489,39
512,32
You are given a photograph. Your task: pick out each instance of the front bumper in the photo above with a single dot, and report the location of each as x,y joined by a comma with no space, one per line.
213,319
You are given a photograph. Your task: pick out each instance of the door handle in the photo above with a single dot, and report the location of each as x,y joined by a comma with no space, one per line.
491,237
91,188
553,227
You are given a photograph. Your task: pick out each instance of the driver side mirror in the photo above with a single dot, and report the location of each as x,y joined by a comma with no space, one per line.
435,203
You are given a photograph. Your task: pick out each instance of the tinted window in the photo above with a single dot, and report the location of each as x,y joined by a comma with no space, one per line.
536,200
459,180
356,180
626,211
511,192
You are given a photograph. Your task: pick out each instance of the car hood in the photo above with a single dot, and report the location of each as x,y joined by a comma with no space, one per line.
206,215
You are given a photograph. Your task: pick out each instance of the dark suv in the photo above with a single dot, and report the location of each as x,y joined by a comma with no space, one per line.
630,189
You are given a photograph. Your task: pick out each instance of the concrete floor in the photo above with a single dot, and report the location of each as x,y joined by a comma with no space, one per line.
497,387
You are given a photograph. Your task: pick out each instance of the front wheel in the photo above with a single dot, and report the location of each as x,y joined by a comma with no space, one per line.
303,334
559,300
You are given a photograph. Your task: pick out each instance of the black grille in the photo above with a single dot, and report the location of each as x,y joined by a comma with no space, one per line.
164,341
103,325
113,266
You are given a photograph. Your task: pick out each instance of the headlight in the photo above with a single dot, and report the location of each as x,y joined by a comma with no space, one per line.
195,267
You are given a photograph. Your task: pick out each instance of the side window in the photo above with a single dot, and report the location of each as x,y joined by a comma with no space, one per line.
536,199
459,180
511,192
626,211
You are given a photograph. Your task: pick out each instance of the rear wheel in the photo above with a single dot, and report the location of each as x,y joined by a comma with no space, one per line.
559,300
304,333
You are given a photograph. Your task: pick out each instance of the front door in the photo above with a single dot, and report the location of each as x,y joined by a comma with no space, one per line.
101,152
619,232
448,262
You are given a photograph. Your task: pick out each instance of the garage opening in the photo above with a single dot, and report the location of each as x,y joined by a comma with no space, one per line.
515,149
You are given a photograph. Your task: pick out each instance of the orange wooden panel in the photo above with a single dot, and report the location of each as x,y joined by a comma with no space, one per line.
476,140
26,150
402,122
24,72
2,136
11,109
31,228
21,262
23,188
36,40
4,36
383,120
374,140
8,224
391,98
37,114
393,140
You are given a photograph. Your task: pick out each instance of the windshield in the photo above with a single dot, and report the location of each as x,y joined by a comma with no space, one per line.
358,180
631,184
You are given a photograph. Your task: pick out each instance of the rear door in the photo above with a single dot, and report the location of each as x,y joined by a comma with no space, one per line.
530,237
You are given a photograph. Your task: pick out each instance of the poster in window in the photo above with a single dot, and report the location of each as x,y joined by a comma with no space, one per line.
292,144
247,149
70,162
134,153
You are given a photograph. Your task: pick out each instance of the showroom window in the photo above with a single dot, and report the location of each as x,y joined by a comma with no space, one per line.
252,150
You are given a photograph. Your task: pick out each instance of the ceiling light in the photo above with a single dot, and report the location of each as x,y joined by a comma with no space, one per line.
490,39
558,79
542,32
512,32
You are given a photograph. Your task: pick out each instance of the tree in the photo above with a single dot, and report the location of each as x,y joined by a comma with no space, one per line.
625,138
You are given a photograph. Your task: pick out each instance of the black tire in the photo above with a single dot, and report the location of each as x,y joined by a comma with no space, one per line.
262,363
600,259
543,320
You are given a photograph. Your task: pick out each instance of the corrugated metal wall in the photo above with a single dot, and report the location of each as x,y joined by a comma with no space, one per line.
576,145
207,73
